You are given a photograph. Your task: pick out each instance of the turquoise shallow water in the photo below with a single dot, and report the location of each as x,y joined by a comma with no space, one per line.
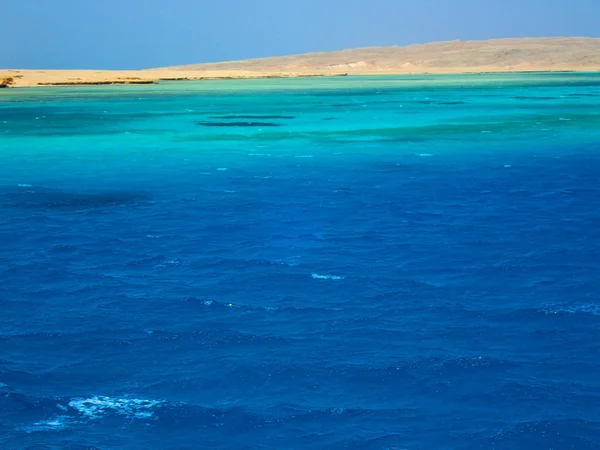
356,262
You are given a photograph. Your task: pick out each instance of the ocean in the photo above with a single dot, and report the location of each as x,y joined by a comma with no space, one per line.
390,262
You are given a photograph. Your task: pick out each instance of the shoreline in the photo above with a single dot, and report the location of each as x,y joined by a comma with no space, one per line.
14,78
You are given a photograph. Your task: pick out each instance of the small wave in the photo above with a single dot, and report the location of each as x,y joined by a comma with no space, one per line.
424,154
169,263
304,156
58,423
215,304
97,407
591,308
222,169
44,198
458,366
316,276
292,261
260,154
24,185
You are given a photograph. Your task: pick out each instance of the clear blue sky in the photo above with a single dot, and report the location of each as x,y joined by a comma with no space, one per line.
120,34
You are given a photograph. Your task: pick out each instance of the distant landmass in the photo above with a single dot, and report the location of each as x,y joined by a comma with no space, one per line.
497,55
451,56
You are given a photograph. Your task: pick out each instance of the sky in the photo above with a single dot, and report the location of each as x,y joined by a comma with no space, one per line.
135,34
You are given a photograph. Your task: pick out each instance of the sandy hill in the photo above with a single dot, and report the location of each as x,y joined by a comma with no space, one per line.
497,55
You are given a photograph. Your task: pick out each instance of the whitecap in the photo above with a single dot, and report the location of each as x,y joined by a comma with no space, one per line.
58,423
564,118
590,308
222,169
423,154
486,131
152,236
316,276
24,185
98,406
207,302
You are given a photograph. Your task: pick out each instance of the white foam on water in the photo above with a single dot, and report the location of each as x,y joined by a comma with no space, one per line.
173,262
57,423
563,118
24,185
222,169
152,236
486,131
304,156
590,308
98,406
422,154
316,276
207,302
259,154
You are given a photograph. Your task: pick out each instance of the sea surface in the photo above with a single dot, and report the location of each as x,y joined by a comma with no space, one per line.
394,262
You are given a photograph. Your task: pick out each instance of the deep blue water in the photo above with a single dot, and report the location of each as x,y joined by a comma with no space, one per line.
347,263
